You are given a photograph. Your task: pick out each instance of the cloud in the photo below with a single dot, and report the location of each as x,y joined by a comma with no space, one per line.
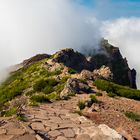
28,27
125,33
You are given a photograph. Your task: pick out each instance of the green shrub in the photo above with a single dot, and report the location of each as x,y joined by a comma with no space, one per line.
93,99
10,112
51,82
29,93
33,103
110,94
119,90
53,97
12,90
72,71
40,98
133,116
48,89
81,105
64,79
104,85
99,94
22,118
46,86
39,85
71,94
45,73
59,88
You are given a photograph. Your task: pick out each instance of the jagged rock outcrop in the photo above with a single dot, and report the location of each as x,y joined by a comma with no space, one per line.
72,59
118,65
108,55
132,76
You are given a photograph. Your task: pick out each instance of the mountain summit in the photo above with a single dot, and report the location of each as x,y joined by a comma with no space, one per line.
108,55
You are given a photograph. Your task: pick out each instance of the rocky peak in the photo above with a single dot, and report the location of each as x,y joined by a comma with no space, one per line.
72,59
111,58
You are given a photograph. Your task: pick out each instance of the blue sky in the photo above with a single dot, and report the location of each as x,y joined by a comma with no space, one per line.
107,9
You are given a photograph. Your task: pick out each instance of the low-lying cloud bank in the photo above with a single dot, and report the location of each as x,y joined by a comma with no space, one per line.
33,26
28,27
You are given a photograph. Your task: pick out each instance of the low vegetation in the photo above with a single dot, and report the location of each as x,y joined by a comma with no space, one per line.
22,118
72,71
40,98
93,98
81,105
133,116
53,97
111,94
34,81
10,112
88,103
117,90
99,94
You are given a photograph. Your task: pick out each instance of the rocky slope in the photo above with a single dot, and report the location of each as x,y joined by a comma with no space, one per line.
56,97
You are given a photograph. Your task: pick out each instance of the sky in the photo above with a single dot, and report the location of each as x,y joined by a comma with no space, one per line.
118,8
29,27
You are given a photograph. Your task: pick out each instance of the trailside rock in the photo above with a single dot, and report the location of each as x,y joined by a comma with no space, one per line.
38,126
103,73
61,138
74,85
83,137
87,75
107,131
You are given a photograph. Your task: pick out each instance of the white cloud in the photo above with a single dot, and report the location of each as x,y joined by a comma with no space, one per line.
28,27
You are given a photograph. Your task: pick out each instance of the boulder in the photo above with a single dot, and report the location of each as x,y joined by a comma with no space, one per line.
87,75
103,73
74,85
38,126
83,137
110,133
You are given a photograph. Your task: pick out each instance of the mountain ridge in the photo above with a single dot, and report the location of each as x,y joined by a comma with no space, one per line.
69,87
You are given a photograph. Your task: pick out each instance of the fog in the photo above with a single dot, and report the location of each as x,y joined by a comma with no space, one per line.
28,27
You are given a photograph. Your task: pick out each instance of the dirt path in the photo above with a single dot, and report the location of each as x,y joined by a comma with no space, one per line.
56,121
